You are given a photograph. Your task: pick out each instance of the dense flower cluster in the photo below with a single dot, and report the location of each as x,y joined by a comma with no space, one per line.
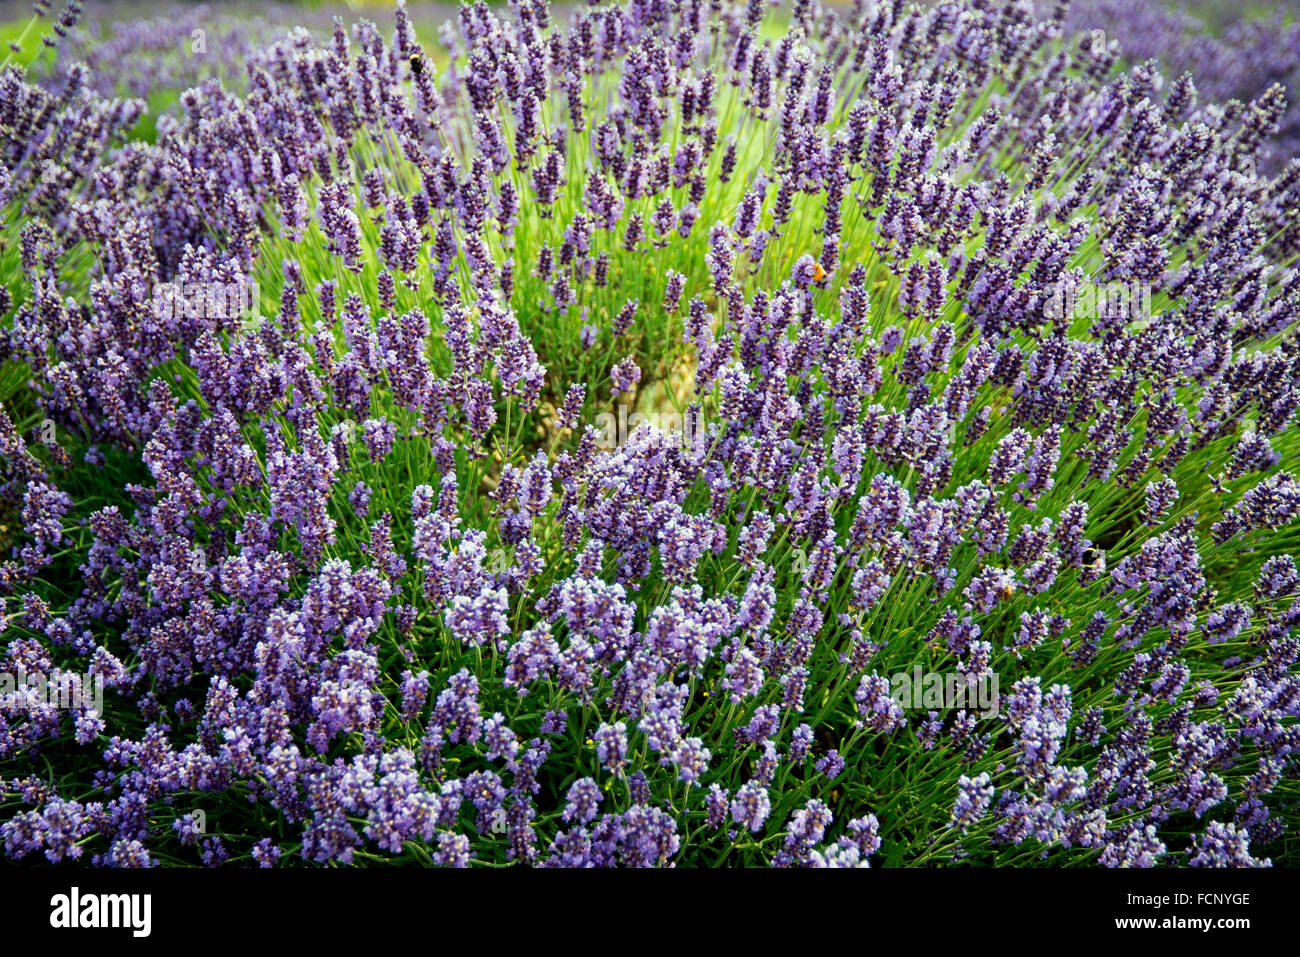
362,579
1231,66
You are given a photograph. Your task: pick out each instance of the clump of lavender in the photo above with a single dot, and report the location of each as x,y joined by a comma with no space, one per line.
553,443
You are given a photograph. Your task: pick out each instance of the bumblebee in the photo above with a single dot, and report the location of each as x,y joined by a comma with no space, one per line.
818,272
417,64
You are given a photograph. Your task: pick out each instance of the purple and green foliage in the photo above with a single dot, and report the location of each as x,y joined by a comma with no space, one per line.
548,440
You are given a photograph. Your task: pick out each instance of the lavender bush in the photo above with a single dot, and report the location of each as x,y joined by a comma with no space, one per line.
552,443
1238,62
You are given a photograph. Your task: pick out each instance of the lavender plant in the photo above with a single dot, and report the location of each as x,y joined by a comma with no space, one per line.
363,580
